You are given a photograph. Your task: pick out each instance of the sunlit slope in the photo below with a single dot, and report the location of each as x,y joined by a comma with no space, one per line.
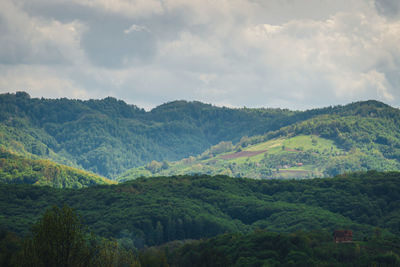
109,136
294,157
361,137
16,169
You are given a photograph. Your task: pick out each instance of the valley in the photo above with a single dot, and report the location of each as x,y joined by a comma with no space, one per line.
191,182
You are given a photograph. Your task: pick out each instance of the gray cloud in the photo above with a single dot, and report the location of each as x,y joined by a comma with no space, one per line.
389,8
107,44
296,54
25,41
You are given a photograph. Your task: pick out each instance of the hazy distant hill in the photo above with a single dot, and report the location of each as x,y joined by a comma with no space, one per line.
357,137
109,136
15,169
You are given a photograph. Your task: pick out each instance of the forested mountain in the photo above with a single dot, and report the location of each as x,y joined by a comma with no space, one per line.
109,137
358,137
152,211
16,169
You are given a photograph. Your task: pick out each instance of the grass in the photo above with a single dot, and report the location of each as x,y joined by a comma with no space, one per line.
271,144
306,142
264,165
217,165
280,146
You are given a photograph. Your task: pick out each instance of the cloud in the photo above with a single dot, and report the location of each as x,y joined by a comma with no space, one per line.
108,45
40,81
136,28
28,40
296,54
120,8
130,8
389,8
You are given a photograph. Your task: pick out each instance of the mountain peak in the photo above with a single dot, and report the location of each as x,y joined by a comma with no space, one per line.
180,104
369,108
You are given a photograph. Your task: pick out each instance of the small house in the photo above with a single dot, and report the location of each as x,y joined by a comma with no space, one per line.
343,236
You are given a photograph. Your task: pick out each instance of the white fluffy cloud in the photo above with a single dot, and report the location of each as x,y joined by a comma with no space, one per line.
347,53
294,54
34,40
41,81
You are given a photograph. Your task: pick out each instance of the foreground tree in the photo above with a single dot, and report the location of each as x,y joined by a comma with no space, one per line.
60,239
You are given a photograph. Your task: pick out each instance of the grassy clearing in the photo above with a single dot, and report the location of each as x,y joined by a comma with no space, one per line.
307,142
266,145
251,164
302,156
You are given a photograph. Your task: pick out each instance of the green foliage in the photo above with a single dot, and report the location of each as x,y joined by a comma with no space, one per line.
10,243
358,137
109,254
154,166
16,169
300,156
153,211
262,248
60,238
109,136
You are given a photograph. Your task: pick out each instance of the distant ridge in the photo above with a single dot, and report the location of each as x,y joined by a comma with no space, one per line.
360,136
108,136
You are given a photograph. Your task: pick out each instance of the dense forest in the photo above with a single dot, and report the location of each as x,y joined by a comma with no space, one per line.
16,169
152,211
216,221
193,212
109,137
59,238
263,248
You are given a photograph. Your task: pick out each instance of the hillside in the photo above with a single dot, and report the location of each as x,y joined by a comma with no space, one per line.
263,248
358,137
15,169
157,210
109,136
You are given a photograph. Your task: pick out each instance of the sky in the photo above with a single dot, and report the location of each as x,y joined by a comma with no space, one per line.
296,54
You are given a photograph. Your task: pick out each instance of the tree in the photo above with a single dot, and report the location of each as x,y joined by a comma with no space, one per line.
9,244
111,254
58,239
165,165
154,166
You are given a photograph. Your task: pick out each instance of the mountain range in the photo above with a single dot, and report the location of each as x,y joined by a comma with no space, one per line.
357,137
57,152
109,137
